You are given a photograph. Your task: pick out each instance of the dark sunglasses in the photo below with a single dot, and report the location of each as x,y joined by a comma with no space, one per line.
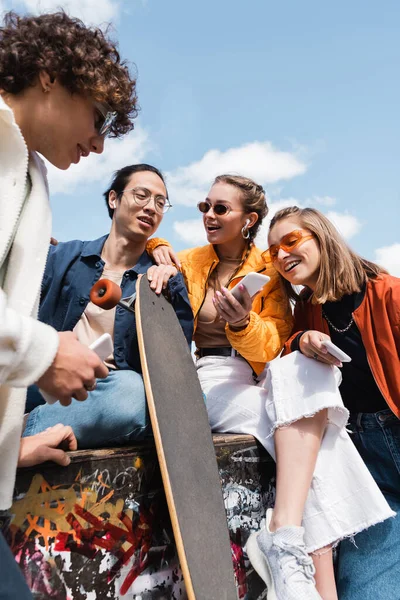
219,209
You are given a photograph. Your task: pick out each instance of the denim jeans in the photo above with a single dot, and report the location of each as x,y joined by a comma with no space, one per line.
114,413
371,569
12,582
343,498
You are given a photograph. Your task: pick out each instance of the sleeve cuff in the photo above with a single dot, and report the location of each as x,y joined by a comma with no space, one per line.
153,243
38,355
295,345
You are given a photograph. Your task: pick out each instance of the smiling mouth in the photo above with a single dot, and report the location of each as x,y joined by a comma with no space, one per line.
290,266
212,228
146,220
82,151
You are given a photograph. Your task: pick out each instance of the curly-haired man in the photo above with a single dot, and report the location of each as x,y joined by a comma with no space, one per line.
63,89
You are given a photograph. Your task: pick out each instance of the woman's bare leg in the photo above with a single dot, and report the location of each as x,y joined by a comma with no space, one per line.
297,448
324,573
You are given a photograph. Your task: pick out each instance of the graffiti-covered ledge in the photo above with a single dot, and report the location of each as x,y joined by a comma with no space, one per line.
99,529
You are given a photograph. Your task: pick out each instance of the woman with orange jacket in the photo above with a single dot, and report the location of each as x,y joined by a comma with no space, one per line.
291,415
356,304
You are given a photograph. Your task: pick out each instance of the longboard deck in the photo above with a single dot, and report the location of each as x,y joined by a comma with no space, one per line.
185,450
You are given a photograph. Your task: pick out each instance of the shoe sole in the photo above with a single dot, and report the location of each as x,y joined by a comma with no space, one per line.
260,565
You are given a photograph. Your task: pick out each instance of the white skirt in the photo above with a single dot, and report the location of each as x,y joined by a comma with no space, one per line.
343,498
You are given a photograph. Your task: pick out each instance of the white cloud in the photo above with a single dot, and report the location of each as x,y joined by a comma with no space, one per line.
191,231
117,153
323,200
258,160
92,12
389,257
348,225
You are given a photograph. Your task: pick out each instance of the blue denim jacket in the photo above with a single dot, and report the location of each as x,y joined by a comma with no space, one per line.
71,270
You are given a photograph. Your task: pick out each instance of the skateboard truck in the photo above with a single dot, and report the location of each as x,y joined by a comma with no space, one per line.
107,294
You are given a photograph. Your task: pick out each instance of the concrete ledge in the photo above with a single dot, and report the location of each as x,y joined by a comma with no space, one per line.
100,529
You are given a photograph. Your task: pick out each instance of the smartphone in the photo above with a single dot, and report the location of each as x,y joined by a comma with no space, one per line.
336,351
253,282
103,347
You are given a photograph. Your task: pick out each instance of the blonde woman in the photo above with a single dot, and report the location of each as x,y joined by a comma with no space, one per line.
356,304
296,412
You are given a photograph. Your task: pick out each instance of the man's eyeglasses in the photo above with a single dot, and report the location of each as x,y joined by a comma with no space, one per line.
219,209
104,119
142,197
289,241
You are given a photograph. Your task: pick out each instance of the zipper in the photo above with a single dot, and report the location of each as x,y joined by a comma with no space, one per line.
369,364
205,289
21,202
205,294
255,376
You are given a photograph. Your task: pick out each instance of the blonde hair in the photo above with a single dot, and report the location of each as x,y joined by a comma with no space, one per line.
253,198
341,270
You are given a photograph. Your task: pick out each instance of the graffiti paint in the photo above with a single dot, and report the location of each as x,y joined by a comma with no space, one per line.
100,529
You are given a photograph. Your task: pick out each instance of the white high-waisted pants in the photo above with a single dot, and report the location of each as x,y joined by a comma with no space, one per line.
343,498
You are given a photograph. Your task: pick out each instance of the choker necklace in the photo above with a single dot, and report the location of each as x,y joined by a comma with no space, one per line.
336,328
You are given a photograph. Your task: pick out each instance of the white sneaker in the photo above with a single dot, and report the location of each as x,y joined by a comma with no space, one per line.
281,560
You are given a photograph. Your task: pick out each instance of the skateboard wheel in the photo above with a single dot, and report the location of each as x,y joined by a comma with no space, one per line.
105,294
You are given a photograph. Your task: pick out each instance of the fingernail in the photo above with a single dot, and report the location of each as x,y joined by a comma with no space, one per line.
241,287
67,461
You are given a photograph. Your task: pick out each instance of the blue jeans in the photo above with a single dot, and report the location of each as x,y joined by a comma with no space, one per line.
371,570
114,413
12,582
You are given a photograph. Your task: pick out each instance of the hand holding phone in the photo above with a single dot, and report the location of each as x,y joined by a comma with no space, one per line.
253,282
103,347
336,351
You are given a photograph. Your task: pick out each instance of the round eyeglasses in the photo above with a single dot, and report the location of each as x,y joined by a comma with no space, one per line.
142,196
219,209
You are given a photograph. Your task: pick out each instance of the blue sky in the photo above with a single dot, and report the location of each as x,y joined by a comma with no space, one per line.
302,96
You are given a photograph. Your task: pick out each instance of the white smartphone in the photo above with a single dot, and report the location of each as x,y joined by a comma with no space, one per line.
253,282
336,351
103,347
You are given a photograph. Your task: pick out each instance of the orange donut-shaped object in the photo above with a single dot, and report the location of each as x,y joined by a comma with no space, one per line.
105,294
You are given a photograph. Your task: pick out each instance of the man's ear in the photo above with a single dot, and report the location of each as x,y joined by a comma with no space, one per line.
46,81
112,199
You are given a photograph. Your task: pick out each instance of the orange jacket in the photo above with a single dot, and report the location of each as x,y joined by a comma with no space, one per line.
378,320
270,318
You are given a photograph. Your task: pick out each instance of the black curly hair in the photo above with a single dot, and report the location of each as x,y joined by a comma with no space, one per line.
82,58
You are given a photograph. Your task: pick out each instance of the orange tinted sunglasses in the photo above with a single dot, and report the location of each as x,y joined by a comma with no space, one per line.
289,241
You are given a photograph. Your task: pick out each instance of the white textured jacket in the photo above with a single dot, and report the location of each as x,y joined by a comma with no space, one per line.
27,347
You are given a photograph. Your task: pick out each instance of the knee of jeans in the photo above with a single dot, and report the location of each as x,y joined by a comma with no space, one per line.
125,382
128,401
